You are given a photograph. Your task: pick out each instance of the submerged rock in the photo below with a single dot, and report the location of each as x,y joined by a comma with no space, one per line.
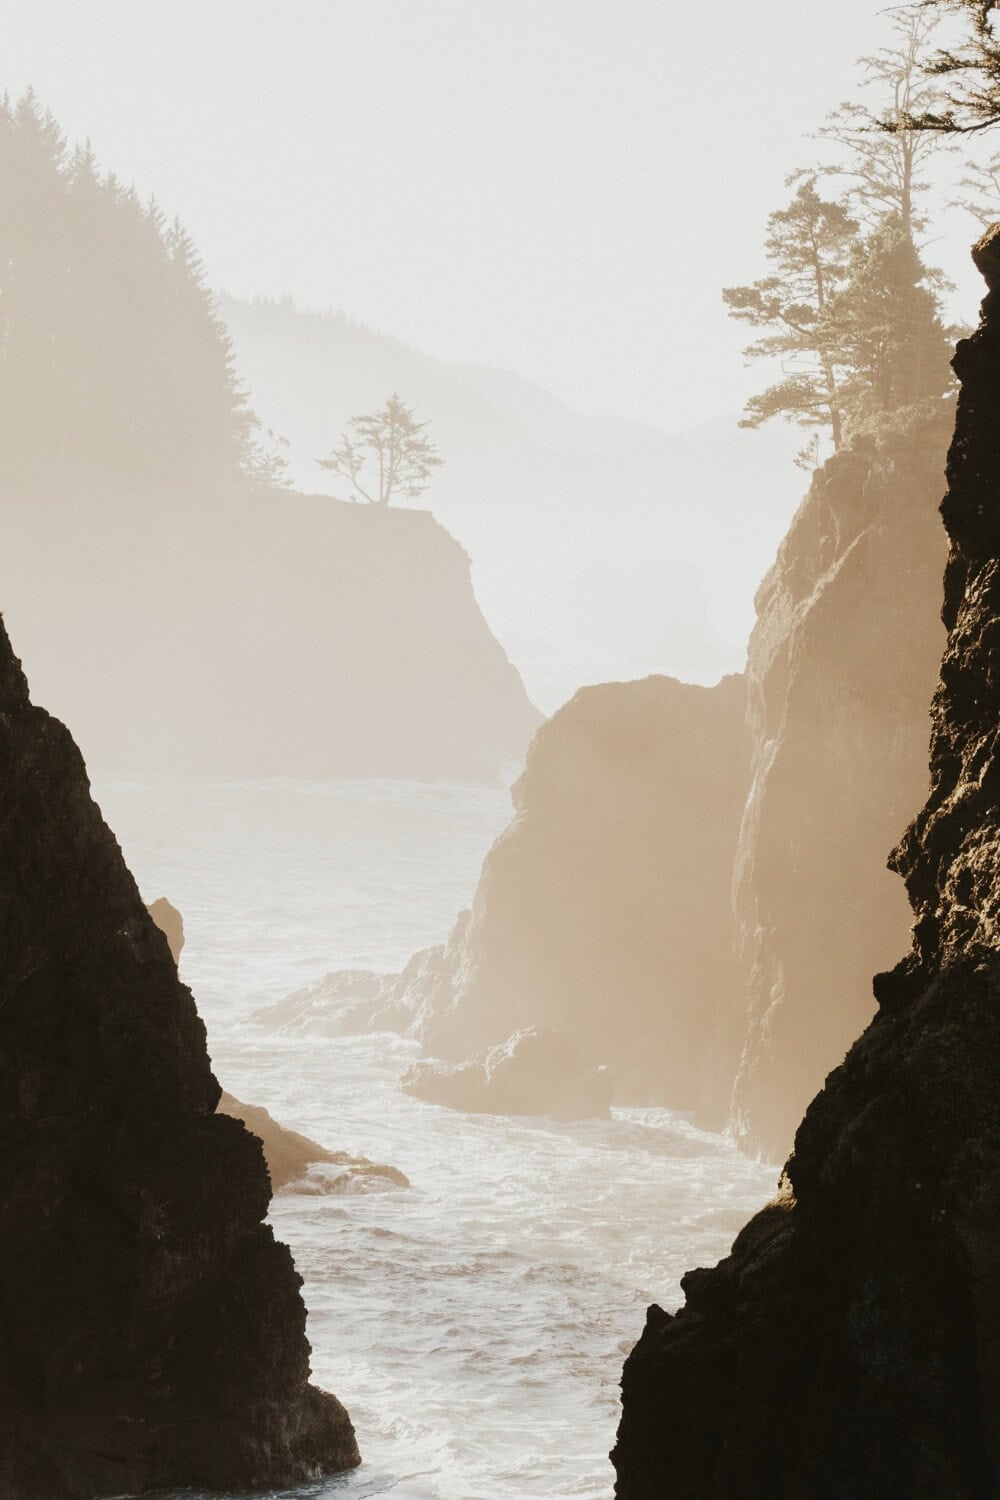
339,1004
849,1346
532,1073
290,1156
153,1329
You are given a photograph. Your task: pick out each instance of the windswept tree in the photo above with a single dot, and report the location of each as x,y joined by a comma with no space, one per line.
852,310
808,243
893,349
967,72
384,454
886,156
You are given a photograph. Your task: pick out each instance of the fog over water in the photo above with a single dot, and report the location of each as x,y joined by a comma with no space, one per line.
524,736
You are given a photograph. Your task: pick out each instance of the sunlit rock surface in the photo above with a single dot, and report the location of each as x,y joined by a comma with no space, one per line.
290,1156
603,913
303,636
153,1333
170,922
840,670
533,1073
850,1344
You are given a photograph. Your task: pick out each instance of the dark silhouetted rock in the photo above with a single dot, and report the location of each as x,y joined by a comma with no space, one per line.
840,670
532,1073
850,1343
290,1155
170,922
153,1332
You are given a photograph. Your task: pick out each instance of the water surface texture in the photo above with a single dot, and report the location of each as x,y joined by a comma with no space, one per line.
475,1324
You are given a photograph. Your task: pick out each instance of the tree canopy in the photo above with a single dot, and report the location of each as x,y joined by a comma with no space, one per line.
850,309
969,71
112,358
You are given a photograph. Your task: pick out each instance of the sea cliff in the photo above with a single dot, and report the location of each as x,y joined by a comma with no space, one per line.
849,1343
153,1332
302,636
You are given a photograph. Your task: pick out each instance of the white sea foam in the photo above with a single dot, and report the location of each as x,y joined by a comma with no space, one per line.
474,1324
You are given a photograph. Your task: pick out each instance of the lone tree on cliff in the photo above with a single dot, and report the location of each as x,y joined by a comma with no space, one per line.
384,454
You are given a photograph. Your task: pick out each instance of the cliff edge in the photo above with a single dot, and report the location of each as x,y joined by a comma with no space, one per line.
850,1343
304,636
153,1333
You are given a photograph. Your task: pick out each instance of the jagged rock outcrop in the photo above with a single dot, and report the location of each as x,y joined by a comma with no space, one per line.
170,922
152,1332
304,636
840,669
603,912
850,1343
289,1156
533,1073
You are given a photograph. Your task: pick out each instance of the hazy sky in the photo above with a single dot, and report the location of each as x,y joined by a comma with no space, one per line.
560,187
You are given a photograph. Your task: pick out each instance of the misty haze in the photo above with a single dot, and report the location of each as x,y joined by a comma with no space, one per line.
498,751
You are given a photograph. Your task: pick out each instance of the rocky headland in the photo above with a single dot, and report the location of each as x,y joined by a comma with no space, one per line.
849,1343
652,900
153,1329
305,636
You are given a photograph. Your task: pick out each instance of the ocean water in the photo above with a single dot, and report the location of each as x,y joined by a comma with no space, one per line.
474,1324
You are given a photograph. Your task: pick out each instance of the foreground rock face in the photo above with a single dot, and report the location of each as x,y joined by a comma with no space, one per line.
153,1330
840,670
850,1344
532,1073
603,912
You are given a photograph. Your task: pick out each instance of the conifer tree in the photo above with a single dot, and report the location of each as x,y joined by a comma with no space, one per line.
808,242
112,358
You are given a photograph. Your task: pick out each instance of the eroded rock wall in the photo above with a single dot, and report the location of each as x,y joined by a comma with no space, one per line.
841,666
850,1343
152,1331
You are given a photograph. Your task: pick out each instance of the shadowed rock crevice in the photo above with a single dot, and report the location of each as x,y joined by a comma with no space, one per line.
850,1343
153,1332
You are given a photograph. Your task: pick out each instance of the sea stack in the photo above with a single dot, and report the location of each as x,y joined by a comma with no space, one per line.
153,1329
850,1343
